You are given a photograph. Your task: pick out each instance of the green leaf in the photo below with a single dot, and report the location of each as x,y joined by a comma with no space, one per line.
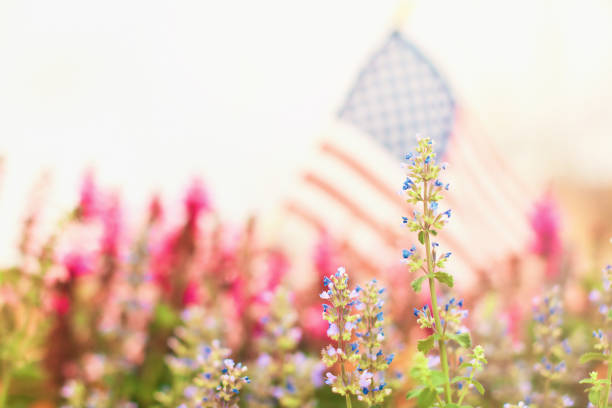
437,378
586,357
478,386
422,237
594,396
444,278
414,393
417,283
425,345
463,339
459,378
426,398
434,232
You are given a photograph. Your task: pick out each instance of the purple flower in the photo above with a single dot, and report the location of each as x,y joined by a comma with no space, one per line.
331,379
317,374
333,330
365,378
331,351
348,326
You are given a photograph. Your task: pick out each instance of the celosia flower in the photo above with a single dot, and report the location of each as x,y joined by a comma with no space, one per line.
196,201
89,201
77,264
545,222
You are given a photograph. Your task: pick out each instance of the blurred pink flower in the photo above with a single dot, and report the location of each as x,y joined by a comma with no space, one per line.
111,219
278,265
238,294
77,264
156,211
89,202
191,295
314,325
323,256
514,321
60,304
546,224
196,201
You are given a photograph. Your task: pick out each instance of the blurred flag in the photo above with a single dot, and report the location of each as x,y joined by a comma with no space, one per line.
351,186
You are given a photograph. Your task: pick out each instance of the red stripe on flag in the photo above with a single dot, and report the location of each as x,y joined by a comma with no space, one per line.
388,236
392,239
393,197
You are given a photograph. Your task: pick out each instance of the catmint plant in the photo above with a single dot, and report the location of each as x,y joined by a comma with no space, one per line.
424,191
342,322
203,375
356,321
599,389
370,334
283,375
551,350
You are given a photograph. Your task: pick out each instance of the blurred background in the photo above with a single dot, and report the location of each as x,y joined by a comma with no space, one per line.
150,94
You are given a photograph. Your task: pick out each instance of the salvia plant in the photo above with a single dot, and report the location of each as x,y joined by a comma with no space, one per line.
356,320
447,385
599,389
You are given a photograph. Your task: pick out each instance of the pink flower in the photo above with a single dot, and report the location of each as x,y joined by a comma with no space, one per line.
545,222
77,264
89,202
278,265
60,304
111,219
190,295
156,211
314,326
196,201
323,256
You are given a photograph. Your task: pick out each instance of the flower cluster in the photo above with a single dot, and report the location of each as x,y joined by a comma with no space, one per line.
424,191
284,376
356,322
342,323
550,351
548,318
207,380
370,335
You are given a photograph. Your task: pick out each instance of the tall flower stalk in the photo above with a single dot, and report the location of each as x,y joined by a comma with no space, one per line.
341,325
423,191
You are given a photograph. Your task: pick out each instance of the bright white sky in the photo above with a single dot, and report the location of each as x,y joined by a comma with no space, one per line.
152,92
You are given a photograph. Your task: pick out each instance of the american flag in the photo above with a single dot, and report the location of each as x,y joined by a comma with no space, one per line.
351,185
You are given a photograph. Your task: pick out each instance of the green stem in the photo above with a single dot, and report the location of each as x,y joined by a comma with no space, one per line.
607,393
464,392
348,400
4,388
434,301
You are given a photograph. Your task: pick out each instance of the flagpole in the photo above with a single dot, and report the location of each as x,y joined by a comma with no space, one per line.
403,10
